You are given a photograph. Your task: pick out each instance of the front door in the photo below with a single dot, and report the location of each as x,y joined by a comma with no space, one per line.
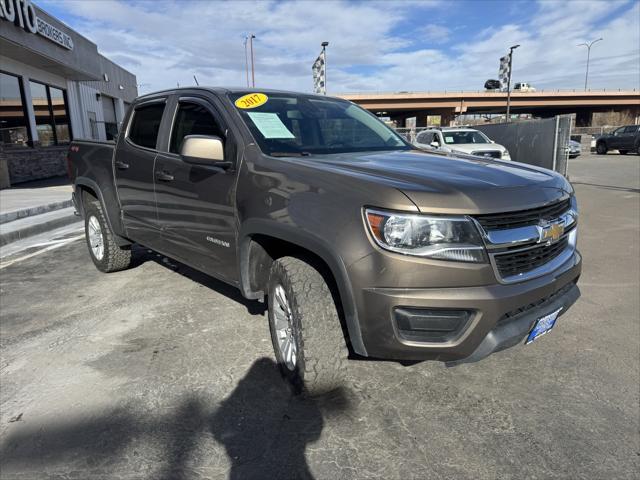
133,166
196,203
628,138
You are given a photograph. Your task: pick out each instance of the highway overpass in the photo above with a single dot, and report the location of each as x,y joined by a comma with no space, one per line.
402,105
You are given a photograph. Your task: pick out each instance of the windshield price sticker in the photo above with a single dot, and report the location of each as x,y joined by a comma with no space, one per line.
252,100
270,125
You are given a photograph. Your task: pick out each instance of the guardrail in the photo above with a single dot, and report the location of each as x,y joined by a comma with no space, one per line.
435,92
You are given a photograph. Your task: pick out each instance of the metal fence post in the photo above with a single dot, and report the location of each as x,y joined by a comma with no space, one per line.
555,144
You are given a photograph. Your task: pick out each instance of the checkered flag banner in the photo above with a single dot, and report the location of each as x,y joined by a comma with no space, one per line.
319,74
503,71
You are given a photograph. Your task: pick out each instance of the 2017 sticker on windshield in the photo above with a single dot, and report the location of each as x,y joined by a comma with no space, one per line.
251,100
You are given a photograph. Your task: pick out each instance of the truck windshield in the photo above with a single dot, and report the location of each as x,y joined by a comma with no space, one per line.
464,137
290,124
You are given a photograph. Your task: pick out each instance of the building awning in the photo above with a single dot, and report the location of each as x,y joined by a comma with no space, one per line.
38,60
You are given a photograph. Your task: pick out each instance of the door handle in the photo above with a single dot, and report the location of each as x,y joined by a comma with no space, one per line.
121,165
164,177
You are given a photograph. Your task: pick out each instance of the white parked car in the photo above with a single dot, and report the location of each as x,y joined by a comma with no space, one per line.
523,87
460,140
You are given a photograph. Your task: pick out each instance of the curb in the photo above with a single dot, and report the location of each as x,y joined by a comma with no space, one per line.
51,221
31,211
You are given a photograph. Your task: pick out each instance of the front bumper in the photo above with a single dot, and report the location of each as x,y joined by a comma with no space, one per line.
502,315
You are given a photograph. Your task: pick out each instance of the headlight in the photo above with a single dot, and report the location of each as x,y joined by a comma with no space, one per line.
443,238
506,155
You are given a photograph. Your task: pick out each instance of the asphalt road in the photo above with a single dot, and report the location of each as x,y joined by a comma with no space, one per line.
159,372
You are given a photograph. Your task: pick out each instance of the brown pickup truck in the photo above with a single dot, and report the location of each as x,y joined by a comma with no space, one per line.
359,242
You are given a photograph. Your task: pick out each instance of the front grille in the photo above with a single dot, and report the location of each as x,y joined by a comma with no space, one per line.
488,153
503,221
523,261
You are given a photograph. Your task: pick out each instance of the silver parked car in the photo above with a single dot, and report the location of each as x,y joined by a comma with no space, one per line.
461,140
575,149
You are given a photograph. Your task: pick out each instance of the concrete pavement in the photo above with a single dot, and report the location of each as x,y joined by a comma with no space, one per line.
160,372
33,208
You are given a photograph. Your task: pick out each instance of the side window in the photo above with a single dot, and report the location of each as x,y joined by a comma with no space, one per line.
145,125
631,129
619,131
425,138
192,119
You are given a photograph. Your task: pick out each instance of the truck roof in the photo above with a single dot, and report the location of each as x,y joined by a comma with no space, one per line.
225,90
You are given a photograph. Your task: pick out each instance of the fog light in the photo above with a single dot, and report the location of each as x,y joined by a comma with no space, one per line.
431,325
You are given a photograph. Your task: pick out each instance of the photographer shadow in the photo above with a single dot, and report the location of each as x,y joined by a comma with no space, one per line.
265,429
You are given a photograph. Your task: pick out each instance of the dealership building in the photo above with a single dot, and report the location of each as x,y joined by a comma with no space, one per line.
54,87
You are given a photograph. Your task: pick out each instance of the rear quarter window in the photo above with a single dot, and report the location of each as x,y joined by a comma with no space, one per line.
145,125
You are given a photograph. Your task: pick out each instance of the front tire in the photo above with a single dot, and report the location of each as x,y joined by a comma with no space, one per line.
305,328
601,148
105,253
622,152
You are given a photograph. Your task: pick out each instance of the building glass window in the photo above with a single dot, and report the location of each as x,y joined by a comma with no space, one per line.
13,118
51,113
60,115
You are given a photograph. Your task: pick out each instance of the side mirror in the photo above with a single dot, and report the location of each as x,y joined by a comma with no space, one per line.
203,150
435,144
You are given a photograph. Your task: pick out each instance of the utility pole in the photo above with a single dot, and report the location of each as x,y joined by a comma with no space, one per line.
253,72
324,55
511,49
588,45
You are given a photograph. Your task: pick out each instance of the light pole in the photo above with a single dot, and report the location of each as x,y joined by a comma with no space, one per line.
588,45
253,73
246,59
511,49
324,55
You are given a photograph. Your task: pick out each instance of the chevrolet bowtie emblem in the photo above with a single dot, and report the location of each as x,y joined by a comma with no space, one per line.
551,232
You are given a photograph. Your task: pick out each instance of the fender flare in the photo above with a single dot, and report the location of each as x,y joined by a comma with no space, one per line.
314,244
115,224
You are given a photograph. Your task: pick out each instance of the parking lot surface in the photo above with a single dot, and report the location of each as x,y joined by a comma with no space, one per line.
160,372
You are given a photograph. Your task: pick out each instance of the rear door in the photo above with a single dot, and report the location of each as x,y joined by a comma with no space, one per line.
196,203
133,166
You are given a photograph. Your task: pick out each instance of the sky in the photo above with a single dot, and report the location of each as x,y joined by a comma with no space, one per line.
430,45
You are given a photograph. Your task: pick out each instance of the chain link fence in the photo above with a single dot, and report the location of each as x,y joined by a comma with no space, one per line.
543,142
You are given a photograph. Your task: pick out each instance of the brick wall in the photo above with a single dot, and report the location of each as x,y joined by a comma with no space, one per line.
27,164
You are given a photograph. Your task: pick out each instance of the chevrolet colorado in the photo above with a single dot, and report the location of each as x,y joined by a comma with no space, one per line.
355,239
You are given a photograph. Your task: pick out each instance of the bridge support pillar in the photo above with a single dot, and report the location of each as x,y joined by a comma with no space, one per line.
421,119
584,118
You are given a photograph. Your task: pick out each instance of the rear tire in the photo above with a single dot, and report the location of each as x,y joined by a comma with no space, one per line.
105,253
601,148
305,328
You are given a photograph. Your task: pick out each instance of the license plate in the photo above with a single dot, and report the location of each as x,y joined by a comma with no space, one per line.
542,326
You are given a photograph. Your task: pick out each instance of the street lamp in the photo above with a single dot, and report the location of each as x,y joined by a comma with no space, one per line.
246,59
324,55
253,73
588,45
511,49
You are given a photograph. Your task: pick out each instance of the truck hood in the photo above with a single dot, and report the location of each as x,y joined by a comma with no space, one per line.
451,183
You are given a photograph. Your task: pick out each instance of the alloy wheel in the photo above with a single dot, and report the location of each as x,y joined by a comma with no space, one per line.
283,324
96,240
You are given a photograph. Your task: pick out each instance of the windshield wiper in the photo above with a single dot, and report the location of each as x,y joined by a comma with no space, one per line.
290,154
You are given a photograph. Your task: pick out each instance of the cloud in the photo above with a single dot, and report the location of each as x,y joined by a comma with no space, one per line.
374,46
434,33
